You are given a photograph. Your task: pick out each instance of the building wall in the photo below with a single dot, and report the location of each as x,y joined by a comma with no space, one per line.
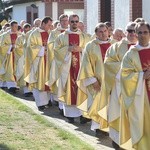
121,13
146,10
19,10
68,5
48,9
92,16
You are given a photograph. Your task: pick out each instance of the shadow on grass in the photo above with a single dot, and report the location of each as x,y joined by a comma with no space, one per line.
4,147
54,112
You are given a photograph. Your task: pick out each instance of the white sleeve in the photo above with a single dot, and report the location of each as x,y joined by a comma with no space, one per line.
9,50
67,57
41,52
89,81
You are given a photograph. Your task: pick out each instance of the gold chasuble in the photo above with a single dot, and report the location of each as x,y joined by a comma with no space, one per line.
67,65
135,124
92,70
50,68
36,60
19,60
7,42
112,65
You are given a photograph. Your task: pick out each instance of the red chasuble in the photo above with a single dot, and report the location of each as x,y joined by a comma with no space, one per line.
13,38
104,48
75,64
44,36
145,62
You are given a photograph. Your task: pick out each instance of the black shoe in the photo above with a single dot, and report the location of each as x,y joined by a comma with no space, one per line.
100,133
49,104
55,103
70,119
28,94
115,145
61,112
12,90
41,108
3,88
84,120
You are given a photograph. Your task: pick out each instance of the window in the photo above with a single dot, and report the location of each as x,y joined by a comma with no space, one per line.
32,13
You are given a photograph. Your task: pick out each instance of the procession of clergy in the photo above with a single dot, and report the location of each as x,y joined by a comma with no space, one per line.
103,78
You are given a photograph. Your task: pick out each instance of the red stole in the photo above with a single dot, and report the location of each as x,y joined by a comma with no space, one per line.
129,45
13,37
145,62
104,48
62,31
74,69
44,36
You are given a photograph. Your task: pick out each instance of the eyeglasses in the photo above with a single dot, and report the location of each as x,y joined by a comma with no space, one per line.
130,31
74,21
144,32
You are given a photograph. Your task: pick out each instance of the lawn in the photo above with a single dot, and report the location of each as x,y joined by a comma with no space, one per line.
22,129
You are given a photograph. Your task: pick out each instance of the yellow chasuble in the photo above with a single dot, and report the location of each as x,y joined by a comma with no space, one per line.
135,113
36,59
66,62
7,54
1,59
92,68
19,60
50,68
27,63
112,66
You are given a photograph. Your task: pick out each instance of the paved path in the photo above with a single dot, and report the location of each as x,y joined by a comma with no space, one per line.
81,131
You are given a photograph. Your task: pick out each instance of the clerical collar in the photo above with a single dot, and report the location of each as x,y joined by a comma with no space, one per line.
103,42
41,30
138,46
60,28
77,32
13,32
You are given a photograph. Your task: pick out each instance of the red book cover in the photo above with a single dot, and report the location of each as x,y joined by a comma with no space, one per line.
145,62
104,48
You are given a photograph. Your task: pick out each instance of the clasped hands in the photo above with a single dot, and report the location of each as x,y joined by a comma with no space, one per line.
74,48
147,74
96,86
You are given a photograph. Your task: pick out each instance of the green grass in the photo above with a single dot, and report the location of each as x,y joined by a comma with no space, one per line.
22,129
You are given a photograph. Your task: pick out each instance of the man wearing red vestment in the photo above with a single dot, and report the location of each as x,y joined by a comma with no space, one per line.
67,52
8,65
36,56
135,78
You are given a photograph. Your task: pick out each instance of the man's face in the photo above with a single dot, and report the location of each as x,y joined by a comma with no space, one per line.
102,33
64,22
14,28
81,26
143,35
131,35
73,22
47,26
26,29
